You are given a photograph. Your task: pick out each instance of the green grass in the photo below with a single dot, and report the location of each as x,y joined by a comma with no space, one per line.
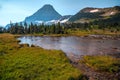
95,31
77,32
102,63
33,63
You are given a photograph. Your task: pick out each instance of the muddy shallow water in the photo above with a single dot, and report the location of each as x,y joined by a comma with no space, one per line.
74,47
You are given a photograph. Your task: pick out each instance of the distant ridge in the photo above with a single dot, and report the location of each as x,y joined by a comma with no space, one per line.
90,14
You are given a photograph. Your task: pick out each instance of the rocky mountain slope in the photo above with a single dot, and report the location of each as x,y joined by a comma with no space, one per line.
90,14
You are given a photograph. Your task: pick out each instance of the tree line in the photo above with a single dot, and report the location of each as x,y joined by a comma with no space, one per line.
20,28
36,29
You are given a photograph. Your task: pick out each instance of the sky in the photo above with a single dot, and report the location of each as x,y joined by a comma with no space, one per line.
17,10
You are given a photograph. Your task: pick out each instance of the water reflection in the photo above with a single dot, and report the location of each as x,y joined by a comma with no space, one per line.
73,46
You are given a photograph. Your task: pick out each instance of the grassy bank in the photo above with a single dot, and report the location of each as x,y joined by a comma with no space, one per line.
95,31
102,63
78,33
32,63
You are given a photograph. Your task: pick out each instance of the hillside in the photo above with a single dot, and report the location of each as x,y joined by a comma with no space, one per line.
91,14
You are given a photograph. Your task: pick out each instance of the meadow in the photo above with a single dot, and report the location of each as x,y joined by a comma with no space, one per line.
21,62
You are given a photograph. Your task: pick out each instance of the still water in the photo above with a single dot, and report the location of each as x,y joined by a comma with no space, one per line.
73,46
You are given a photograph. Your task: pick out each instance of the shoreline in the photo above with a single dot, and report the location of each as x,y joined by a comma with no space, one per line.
89,36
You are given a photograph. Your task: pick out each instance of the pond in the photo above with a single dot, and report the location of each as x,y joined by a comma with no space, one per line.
74,47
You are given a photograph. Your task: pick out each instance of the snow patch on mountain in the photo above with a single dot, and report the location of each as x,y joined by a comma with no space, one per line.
112,13
52,21
93,11
39,21
63,21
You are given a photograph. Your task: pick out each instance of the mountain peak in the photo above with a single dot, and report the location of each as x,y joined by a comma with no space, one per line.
46,13
47,6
